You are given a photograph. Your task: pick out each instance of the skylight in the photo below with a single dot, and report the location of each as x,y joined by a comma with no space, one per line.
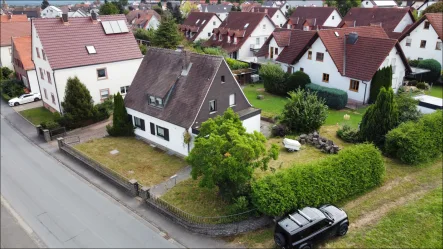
203,21
246,25
336,34
91,49
197,21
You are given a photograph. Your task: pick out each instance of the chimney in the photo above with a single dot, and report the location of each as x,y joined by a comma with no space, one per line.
65,18
266,10
94,17
9,16
138,15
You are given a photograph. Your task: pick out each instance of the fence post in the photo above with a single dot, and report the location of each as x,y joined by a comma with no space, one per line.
134,189
37,128
60,142
144,193
46,135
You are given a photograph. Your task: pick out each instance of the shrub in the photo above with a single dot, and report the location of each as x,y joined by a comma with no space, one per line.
121,124
214,51
382,78
5,73
304,112
416,142
335,98
434,67
348,134
338,177
77,105
297,80
144,34
100,113
12,88
434,8
421,85
279,130
412,83
240,205
236,64
49,125
143,49
407,108
274,78
413,63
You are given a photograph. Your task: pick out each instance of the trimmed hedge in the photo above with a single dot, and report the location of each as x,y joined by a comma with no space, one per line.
335,98
353,171
416,142
236,64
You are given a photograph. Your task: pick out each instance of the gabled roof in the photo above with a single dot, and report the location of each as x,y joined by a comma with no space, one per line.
365,56
23,49
246,7
30,12
216,8
13,29
159,71
141,17
13,18
269,10
65,44
436,20
196,22
238,24
388,18
294,41
316,16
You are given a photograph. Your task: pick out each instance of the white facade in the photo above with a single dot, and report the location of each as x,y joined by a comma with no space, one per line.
51,12
411,44
378,4
405,21
306,3
274,50
257,38
31,81
252,124
222,16
6,57
333,20
77,13
153,23
206,33
279,18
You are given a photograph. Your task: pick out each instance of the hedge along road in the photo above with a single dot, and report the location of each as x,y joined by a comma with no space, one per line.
62,209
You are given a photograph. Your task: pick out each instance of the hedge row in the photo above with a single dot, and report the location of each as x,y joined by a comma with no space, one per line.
236,64
353,171
335,98
416,142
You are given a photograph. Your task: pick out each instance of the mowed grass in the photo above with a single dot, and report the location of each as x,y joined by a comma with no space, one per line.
38,115
436,91
135,160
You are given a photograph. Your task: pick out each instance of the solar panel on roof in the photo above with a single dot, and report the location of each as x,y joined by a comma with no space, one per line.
115,27
123,26
107,28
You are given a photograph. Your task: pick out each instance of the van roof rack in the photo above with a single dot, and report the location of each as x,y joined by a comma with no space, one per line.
305,215
296,221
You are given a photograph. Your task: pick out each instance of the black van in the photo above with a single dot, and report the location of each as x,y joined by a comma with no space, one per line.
300,229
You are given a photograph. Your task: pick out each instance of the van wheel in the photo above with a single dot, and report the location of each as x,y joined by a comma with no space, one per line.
16,104
279,239
307,246
342,230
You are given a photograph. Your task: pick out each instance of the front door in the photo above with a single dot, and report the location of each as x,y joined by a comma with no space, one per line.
272,53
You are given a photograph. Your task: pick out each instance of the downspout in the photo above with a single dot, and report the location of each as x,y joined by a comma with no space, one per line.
344,55
366,86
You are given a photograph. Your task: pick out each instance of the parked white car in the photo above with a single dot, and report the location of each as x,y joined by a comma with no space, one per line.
25,98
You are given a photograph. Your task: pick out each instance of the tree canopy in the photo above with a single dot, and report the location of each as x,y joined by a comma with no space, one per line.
225,155
44,4
167,34
108,9
343,6
187,7
434,8
78,105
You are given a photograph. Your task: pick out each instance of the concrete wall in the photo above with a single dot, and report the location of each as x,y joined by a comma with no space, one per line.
208,29
5,57
261,34
414,51
333,20
405,21
252,124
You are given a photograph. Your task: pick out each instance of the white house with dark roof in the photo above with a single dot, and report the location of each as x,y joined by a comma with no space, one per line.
199,25
378,4
51,12
276,15
222,10
174,92
102,53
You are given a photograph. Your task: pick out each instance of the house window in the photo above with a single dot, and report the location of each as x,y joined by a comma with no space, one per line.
257,41
152,126
423,44
408,42
276,51
264,26
325,78
232,99
104,93
163,132
124,89
101,73
159,101
438,46
213,23
319,56
220,37
309,55
427,24
215,37
38,52
302,69
235,40
42,75
212,106
229,39
46,93
151,100
91,49
43,55
209,34
10,51
353,86
53,98
139,123
333,17
49,77
281,25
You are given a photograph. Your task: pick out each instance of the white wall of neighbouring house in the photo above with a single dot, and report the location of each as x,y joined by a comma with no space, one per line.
119,74
175,142
153,23
222,16
252,124
333,20
417,35
259,33
405,21
51,12
206,33
367,4
6,57
272,46
33,81
279,19
398,68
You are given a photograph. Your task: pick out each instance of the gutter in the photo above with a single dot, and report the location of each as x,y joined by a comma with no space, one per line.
56,91
366,86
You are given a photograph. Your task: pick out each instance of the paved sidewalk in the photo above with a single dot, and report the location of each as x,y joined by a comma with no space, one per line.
28,106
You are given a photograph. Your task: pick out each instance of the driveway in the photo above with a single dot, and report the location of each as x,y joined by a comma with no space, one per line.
27,106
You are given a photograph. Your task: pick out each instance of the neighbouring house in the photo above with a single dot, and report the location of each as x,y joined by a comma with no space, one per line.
247,6
51,12
29,12
144,19
22,62
222,10
77,13
306,3
313,18
103,54
276,15
378,4
393,20
199,25
11,26
282,5
242,34
423,40
174,92
345,58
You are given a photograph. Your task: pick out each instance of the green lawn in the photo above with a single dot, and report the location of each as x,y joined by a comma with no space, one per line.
436,91
38,115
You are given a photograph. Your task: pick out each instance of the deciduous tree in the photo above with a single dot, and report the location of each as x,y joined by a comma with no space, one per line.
108,9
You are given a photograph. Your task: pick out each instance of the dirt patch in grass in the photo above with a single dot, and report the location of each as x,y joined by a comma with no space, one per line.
135,159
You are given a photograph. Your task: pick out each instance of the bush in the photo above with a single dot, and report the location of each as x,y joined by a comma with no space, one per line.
434,8
416,142
382,78
348,134
279,130
413,63
274,79
6,97
144,34
5,73
100,113
407,108
236,64
412,83
143,49
336,178
240,205
335,98
432,65
50,125
121,124
214,51
304,112
12,88
421,85
297,80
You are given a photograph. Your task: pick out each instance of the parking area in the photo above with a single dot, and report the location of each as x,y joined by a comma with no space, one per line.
28,106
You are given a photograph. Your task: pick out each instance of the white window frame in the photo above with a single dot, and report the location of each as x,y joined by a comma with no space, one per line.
103,90
232,99
124,90
91,49
212,110
408,42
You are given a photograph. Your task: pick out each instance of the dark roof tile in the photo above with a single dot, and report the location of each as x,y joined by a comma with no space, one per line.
316,16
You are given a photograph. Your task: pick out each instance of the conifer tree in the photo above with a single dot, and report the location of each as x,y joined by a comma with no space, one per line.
44,4
167,35
78,105
382,78
121,124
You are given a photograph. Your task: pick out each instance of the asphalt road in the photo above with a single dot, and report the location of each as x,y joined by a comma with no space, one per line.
60,207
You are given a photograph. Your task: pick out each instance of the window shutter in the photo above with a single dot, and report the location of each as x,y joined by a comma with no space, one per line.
166,137
130,118
142,124
152,128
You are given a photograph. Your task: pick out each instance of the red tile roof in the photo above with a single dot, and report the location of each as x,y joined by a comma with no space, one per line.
235,25
316,16
388,18
65,44
282,37
246,7
13,18
190,24
13,29
23,51
141,17
270,11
